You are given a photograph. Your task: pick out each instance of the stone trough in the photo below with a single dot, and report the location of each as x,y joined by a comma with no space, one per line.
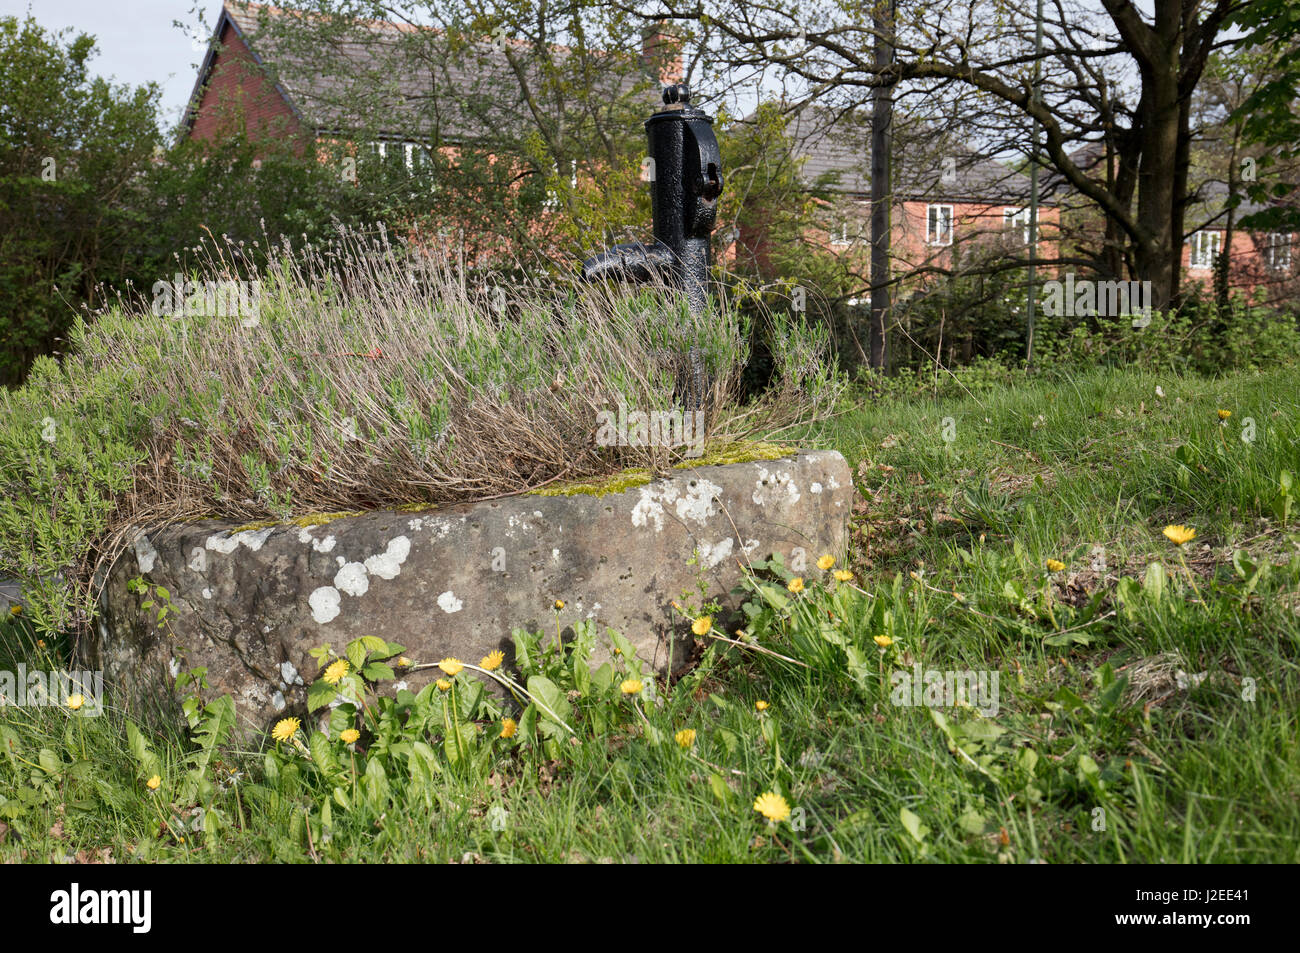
250,602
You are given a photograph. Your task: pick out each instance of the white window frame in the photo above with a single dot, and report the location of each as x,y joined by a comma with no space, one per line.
1011,217
552,196
841,239
1206,245
1278,251
934,235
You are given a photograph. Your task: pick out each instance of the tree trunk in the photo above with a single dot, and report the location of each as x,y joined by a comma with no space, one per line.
1156,253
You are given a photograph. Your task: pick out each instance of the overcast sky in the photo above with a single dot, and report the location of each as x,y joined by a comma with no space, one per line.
136,41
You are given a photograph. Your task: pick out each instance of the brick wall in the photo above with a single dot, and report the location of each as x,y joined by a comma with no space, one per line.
239,96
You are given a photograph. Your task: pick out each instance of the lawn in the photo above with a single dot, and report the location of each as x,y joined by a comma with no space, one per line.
1146,704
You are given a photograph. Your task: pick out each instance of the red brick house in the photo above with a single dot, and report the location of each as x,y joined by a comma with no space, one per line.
1261,264
252,81
944,209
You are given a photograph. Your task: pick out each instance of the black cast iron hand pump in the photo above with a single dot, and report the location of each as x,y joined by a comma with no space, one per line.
686,180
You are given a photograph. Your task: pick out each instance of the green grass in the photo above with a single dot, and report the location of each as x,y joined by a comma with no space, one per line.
1092,723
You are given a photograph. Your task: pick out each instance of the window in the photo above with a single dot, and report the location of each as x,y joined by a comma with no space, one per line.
1016,219
938,225
552,196
840,236
412,157
1205,247
1277,251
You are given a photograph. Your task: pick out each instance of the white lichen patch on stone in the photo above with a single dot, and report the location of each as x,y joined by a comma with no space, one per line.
323,545
647,509
220,543
448,602
145,554
353,579
173,667
816,488
711,554
555,554
698,503
289,674
207,593
226,544
254,539
277,701
324,604
415,525
772,486
199,559
388,564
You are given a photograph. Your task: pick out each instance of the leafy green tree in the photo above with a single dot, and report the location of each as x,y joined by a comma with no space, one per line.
73,151
1268,116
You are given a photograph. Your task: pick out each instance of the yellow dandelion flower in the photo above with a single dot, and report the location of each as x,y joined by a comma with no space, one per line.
559,604
15,610
761,705
404,662
508,727
349,736
685,738
795,584
772,806
630,686
1180,535
843,575
152,783
335,671
702,625
883,641
1225,414
451,666
285,729
75,701
492,661
826,562
1055,565
443,685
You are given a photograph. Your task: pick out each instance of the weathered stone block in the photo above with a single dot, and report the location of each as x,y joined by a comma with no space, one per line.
250,604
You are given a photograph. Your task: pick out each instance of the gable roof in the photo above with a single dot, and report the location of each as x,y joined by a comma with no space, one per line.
837,143
469,94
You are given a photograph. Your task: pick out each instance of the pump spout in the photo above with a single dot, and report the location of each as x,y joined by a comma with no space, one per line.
635,261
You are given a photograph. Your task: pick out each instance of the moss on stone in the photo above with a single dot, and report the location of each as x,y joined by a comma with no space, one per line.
416,507
742,451
302,522
250,527
319,519
615,483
